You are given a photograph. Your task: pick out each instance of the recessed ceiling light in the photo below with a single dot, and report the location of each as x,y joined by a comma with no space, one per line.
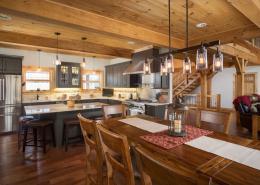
5,17
131,42
201,25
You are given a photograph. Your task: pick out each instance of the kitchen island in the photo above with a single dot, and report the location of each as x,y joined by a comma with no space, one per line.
60,111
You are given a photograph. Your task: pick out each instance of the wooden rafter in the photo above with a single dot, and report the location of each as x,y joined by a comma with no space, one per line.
12,38
231,50
249,8
65,15
246,32
248,46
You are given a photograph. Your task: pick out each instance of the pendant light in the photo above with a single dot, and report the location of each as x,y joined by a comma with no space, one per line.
147,67
186,61
187,66
170,64
169,60
93,72
39,60
163,68
218,61
83,63
201,58
57,61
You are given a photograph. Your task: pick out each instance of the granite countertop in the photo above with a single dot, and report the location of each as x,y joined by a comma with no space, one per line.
56,100
56,108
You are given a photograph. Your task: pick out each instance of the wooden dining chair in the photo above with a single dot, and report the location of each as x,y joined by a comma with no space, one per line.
215,117
117,155
113,111
154,171
95,162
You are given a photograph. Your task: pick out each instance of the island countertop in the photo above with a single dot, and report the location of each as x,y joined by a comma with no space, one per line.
56,108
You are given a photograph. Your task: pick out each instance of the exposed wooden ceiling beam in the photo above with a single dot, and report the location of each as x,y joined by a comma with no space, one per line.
231,50
65,15
247,32
249,8
248,46
68,46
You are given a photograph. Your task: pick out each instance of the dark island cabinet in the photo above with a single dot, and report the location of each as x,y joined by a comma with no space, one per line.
115,77
10,65
68,75
157,111
161,82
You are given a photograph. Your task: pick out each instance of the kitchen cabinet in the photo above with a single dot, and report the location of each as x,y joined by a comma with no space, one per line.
161,82
114,75
68,75
157,111
10,65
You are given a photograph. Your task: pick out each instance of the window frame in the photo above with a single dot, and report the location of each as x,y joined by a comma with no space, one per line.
101,80
51,80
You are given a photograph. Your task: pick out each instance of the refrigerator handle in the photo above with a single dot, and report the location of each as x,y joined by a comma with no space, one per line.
4,88
1,89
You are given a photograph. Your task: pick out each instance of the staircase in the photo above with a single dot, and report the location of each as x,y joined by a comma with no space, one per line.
180,85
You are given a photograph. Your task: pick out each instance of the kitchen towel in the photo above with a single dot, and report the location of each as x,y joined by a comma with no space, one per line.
145,124
240,154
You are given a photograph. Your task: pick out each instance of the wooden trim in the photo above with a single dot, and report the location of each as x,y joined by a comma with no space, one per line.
101,79
35,68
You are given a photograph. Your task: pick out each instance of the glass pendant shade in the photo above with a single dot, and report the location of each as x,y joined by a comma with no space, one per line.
218,61
202,59
57,61
164,68
186,66
83,63
170,64
147,67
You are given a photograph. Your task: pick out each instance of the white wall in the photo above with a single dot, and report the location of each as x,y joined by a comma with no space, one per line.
223,82
47,59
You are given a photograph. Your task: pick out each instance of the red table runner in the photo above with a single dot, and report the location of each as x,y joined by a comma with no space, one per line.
163,140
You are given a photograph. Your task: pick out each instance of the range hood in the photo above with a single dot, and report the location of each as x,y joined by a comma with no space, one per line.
138,59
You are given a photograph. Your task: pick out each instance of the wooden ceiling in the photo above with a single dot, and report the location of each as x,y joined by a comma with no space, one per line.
115,28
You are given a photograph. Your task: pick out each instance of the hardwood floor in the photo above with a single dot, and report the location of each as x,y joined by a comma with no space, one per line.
34,168
56,167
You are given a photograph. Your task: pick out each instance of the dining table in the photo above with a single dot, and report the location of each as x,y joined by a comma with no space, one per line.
201,166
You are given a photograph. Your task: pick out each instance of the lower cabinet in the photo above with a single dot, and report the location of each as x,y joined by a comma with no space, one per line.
157,111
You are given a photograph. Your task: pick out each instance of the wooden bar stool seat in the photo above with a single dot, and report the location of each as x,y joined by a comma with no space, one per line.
38,126
69,123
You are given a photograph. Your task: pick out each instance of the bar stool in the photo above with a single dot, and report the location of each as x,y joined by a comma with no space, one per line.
68,124
38,126
21,125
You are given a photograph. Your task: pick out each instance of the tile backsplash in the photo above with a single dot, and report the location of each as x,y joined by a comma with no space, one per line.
124,93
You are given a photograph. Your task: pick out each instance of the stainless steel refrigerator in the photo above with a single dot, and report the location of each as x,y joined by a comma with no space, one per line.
10,102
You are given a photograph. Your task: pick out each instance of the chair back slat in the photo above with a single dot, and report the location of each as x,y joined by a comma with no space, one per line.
94,153
216,117
154,171
117,156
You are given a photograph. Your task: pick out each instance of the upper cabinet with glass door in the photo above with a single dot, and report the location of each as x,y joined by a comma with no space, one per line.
68,75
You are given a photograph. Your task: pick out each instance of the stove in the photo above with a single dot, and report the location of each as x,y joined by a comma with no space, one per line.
136,106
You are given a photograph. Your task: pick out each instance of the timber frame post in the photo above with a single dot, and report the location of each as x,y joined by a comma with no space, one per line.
204,88
240,65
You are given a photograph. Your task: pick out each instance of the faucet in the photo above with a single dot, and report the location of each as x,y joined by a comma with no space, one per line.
38,96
